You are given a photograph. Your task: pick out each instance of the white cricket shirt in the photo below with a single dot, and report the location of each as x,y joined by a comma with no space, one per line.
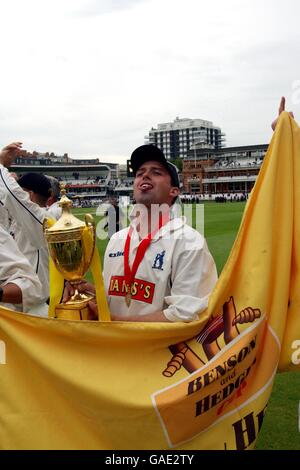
176,275
15,268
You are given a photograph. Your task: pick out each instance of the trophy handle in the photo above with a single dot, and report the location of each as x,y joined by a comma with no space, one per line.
45,225
89,220
90,223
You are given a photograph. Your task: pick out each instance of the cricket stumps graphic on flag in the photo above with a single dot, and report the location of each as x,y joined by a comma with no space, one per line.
219,330
201,385
221,361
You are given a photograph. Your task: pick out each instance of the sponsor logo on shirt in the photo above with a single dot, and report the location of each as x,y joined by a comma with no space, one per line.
140,290
159,261
116,255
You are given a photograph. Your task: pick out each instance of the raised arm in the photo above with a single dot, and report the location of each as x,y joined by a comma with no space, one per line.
27,214
280,110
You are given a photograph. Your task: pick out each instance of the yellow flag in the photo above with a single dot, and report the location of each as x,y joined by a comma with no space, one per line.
203,385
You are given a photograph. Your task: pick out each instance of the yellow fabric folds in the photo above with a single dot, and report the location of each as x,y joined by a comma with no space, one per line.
205,385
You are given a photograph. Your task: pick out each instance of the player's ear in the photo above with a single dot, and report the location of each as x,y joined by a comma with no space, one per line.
174,191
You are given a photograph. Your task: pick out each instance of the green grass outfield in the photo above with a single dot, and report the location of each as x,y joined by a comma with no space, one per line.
280,428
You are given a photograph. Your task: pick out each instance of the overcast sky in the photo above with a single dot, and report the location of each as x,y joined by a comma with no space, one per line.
91,77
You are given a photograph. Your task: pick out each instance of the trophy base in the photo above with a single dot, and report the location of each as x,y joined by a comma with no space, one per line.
76,310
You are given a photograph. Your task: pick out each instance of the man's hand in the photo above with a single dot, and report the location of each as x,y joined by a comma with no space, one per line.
93,311
9,153
12,293
68,292
82,286
280,110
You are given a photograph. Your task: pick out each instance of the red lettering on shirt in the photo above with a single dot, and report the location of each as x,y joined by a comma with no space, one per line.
140,290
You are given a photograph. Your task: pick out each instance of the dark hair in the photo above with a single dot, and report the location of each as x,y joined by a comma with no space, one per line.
37,183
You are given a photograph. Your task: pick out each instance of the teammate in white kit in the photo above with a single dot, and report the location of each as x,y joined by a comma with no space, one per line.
25,220
53,207
20,288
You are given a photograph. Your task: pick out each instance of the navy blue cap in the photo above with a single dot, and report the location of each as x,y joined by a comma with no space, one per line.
148,152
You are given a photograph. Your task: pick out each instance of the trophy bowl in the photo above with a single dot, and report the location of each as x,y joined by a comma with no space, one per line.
71,245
